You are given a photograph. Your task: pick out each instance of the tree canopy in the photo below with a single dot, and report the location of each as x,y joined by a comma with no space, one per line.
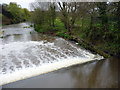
15,13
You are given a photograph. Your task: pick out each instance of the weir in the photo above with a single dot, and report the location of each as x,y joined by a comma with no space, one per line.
25,55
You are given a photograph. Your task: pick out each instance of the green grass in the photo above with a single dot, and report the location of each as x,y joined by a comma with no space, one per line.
59,27
64,35
86,23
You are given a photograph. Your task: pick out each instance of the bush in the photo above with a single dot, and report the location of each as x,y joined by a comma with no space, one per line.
64,35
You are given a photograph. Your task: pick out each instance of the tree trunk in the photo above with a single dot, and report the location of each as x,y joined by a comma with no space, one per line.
65,26
53,23
105,22
91,23
82,23
50,21
68,29
72,24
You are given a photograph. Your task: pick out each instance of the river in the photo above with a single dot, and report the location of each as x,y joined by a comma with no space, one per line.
28,54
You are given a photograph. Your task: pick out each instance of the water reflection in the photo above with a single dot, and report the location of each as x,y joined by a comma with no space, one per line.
102,73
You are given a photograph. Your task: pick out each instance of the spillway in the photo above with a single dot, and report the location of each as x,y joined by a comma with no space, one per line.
24,55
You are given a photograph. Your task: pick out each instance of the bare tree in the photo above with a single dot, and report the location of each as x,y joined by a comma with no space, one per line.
45,11
69,14
83,11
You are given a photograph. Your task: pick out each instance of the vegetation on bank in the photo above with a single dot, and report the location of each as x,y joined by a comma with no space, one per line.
95,25
13,13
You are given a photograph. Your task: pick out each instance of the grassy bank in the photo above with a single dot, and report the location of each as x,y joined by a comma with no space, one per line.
105,49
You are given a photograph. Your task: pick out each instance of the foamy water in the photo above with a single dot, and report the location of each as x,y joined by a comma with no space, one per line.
28,58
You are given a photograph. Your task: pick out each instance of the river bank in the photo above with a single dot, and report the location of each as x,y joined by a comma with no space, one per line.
82,42
96,43
94,48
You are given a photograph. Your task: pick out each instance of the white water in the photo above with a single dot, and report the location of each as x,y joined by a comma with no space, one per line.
28,58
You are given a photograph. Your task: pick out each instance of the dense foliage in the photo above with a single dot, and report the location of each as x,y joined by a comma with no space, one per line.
95,22
13,13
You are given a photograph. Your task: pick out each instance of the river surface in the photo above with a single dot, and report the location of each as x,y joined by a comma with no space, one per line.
24,53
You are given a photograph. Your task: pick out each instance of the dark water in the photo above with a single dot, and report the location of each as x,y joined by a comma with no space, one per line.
97,74
23,54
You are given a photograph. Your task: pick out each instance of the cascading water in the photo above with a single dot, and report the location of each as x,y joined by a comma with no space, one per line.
24,55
